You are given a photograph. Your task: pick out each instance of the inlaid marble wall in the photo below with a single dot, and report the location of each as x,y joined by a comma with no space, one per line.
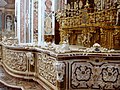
95,75
49,19
22,21
35,21
0,21
25,21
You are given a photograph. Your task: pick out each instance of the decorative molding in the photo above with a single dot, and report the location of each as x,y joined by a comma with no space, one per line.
9,41
96,48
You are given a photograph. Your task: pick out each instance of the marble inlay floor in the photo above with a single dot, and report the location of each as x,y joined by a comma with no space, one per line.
8,82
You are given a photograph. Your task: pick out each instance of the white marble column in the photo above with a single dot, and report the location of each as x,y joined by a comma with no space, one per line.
17,9
40,22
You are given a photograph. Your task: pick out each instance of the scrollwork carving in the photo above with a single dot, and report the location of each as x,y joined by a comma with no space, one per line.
15,60
46,68
95,75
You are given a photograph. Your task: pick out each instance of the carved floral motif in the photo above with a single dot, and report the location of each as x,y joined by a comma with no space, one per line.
110,74
97,75
80,74
15,60
46,68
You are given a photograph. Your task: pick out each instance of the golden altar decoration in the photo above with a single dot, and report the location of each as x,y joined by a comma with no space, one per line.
83,27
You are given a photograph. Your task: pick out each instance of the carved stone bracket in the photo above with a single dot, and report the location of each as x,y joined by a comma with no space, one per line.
60,70
30,58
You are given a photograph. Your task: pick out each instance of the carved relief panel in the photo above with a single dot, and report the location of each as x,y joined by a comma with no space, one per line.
17,61
46,68
95,74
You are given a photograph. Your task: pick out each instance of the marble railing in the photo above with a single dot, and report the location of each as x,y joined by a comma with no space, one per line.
70,70
29,63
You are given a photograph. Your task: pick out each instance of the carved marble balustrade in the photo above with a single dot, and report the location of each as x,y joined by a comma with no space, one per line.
73,69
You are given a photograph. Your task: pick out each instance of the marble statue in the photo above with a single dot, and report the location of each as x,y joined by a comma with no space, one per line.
8,24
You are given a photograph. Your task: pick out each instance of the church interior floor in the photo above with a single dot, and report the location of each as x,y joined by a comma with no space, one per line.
8,82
